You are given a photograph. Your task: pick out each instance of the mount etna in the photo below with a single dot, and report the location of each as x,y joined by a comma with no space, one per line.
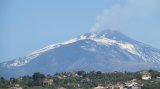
101,51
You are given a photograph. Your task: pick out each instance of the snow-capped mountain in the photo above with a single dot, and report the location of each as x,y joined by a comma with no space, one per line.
104,51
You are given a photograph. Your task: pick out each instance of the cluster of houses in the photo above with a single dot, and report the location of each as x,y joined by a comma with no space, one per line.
65,75
128,85
133,84
110,86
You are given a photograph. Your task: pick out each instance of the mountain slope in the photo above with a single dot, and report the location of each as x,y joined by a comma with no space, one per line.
104,51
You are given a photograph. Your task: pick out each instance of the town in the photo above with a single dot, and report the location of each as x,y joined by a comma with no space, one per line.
85,80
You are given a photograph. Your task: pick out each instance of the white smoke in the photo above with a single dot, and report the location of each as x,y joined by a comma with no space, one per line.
130,15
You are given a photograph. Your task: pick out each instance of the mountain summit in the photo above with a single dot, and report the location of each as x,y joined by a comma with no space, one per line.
110,34
104,51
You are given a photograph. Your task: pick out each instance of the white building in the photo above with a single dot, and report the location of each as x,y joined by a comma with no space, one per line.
146,76
16,86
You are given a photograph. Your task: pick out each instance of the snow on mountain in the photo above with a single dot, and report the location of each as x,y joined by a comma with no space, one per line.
124,45
97,37
26,59
93,36
105,51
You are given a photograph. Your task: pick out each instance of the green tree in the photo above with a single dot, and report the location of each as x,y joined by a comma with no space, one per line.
38,78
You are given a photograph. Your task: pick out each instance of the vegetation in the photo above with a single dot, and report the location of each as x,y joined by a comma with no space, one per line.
80,79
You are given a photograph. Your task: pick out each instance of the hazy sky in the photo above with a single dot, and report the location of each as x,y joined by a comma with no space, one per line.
27,25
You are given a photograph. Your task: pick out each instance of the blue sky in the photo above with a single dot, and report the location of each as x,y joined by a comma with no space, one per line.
27,25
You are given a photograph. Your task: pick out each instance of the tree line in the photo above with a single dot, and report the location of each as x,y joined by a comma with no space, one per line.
84,80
